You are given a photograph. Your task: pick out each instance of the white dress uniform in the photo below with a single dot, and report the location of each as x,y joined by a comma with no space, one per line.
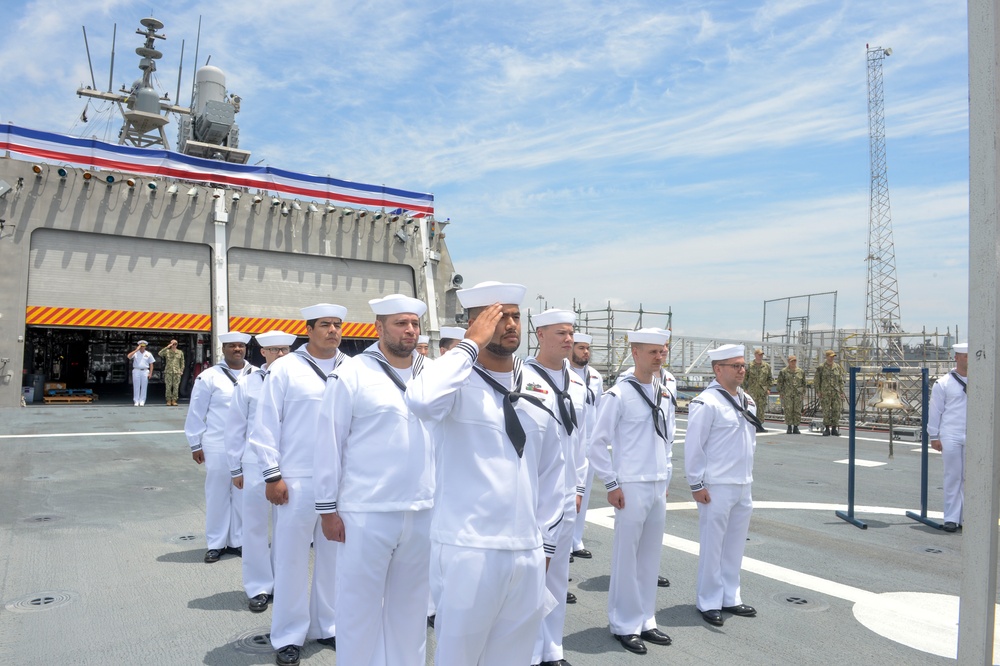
258,574
375,468
718,455
548,645
595,389
141,362
639,463
205,428
284,437
496,513
946,416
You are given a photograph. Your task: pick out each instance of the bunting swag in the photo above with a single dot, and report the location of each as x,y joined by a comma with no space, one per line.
59,149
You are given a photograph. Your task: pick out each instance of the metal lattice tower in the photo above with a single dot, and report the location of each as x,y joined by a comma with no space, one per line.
882,318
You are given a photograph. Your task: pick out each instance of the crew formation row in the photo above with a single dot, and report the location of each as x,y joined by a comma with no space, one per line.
453,488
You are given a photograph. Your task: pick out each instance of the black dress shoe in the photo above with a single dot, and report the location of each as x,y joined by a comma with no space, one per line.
583,554
950,527
661,581
213,555
287,656
713,617
561,662
571,559
570,598
329,642
632,643
742,610
258,604
656,637
430,620
234,550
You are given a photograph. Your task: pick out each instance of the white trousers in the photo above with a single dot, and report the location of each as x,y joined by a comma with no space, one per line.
953,457
382,588
723,524
635,557
581,518
549,643
489,604
299,613
223,503
258,573
140,381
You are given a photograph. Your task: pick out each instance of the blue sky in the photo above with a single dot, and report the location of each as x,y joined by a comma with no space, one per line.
698,156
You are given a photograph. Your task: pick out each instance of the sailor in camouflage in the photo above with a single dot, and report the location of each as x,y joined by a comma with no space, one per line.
758,381
791,388
829,385
173,359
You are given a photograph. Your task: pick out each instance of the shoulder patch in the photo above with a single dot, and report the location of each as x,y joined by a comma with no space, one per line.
696,401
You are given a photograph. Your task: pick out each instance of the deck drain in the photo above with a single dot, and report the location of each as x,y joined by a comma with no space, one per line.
933,551
42,520
800,602
152,488
40,477
185,538
39,601
255,641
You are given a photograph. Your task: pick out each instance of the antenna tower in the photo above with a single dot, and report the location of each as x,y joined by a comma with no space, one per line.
882,318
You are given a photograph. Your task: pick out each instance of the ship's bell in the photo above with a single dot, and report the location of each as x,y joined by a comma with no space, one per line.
888,395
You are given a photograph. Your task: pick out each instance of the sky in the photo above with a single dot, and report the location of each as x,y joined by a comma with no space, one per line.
697,157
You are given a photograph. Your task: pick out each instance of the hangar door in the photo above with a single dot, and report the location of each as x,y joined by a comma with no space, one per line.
267,289
91,280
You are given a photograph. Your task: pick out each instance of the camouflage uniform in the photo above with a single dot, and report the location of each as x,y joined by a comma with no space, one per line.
758,384
174,361
791,388
829,385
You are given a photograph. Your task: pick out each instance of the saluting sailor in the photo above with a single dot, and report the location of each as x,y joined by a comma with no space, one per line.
500,486
946,431
205,428
374,491
592,379
636,421
285,437
142,370
718,459
247,473
554,329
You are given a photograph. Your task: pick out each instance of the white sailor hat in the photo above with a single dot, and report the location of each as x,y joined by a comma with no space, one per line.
961,348
423,339
274,339
452,333
554,316
488,293
665,332
648,336
726,351
583,337
143,343
321,310
396,304
234,336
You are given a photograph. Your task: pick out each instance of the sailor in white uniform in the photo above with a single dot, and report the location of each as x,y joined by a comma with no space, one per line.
205,428
247,473
554,329
374,491
946,432
142,370
424,345
718,459
284,436
500,486
594,381
635,419
450,336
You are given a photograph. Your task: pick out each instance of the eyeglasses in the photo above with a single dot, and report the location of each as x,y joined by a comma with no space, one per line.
738,366
277,350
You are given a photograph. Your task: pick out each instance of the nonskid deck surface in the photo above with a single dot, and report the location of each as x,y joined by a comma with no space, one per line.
102,539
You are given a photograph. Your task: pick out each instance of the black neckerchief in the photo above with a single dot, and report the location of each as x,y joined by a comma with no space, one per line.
567,413
965,387
511,424
659,420
338,358
591,396
751,418
376,353
673,398
247,369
